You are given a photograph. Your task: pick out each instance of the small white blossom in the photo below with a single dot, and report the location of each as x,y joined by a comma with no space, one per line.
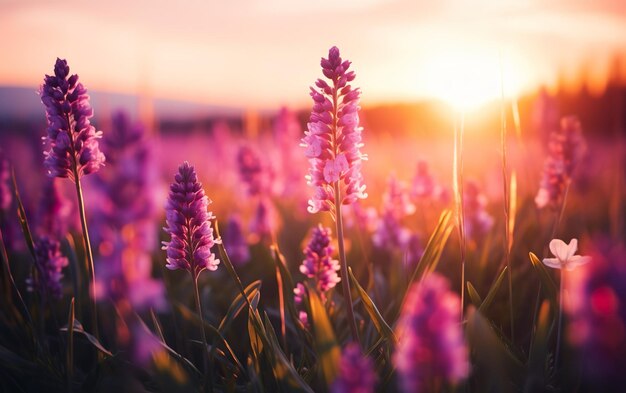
564,254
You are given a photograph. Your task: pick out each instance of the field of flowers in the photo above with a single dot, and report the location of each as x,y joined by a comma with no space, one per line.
317,257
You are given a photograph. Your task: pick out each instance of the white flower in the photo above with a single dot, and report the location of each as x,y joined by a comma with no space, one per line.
564,254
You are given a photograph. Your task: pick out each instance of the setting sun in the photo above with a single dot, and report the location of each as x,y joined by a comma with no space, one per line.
467,79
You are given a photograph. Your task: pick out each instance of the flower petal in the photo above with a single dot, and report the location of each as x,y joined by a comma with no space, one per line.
577,260
552,262
572,247
559,249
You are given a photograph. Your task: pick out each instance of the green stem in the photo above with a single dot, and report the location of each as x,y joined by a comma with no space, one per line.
345,280
88,253
460,211
559,327
205,351
507,206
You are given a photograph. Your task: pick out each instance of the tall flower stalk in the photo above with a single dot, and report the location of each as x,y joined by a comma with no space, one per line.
332,144
459,199
189,225
72,144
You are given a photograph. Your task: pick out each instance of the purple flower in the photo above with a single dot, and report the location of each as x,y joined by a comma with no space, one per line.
235,242
287,130
252,171
124,218
356,372
189,225
55,213
477,220
390,234
49,263
72,141
6,196
299,292
597,309
431,345
424,185
263,223
318,263
332,141
566,150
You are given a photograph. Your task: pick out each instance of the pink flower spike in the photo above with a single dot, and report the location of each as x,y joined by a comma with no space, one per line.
564,254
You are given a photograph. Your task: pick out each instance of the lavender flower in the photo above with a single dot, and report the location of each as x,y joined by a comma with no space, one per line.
251,171
48,266
356,372
263,223
189,225
390,234
597,309
478,222
55,214
332,141
566,150
299,292
5,190
72,140
431,345
287,130
423,183
235,242
319,263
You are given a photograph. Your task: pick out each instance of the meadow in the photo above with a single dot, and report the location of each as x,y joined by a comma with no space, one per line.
317,256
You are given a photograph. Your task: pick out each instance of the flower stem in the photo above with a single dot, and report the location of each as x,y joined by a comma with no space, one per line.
559,327
88,253
458,194
507,205
205,351
345,281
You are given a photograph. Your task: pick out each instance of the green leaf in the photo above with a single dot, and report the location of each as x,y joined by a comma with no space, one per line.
434,247
77,327
546,280
288,283
494,363
267,345
21,214
13,361
252,292
473,294
325,344
536,380
377,319
491,295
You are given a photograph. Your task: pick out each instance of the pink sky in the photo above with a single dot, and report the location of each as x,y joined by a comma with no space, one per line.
264,53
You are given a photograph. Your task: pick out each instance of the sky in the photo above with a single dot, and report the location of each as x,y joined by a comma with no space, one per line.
265,53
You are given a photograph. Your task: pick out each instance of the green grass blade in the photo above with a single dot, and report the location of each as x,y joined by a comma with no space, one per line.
434,247
473,294
239,304
493,291
325,344
546,280
377,319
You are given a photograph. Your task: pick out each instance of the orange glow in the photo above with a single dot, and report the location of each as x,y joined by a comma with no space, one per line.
468,79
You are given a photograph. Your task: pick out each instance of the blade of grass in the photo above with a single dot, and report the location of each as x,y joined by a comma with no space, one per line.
473,294
377,319
325,342
491,295
239,304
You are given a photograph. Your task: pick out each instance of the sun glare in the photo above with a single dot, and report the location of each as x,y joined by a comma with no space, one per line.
468,80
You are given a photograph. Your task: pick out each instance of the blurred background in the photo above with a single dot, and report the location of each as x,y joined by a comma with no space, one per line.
204,68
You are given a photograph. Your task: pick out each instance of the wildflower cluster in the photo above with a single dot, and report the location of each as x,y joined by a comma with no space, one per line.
566,149
72,141
332,141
